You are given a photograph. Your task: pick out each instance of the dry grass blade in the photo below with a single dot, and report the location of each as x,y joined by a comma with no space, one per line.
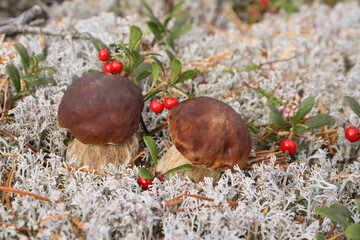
78,223
51,217
137,157
15,138
54,235
85,170
25,193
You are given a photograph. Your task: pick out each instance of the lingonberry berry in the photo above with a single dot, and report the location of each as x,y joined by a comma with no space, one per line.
170,102
156,106
116,66
104,54
144,183
352,134
288,146
107,67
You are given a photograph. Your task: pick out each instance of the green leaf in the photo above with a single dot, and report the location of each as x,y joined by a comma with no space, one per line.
29,78
167,20
357,202
159,63
179,168
40,57
170,55
177,7
143,70
353,231
186,75
136,56
152,16
14,76
151,145
319,236
273,109
278,121
175,69
182,18
25,60
21,93
143,75
337,213
145,173
304,108
42,81
98,44
353,104
135,35
319,120
180,30
155,30
152,94
155,73
50,69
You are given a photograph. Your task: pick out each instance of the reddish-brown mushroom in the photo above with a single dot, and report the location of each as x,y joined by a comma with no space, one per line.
208,134
102,111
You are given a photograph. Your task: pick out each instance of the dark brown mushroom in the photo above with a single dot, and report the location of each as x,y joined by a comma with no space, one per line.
103,112
208,134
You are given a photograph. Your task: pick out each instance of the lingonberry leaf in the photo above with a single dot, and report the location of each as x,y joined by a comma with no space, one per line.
155,29
319,120
159,63
178,169
40,57
170,55
304,108
186,75
353,231
277,120
21,93
180,30
175,69
357,203
29,78
151,145
123,47
50,69
147,97
14,76
135,35
145,173
143,70
42,81
182,18
25,59
136,57
337,213
273,109
176,8
353,104
179,89
98,44
319,236
168,41
155,73
152,16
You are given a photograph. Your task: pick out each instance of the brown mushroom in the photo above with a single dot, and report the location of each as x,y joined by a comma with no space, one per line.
208,134
103,112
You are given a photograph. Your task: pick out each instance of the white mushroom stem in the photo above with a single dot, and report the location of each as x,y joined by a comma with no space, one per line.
173,158
98,156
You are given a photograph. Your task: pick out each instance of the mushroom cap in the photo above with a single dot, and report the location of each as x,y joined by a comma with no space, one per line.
210,133
101,108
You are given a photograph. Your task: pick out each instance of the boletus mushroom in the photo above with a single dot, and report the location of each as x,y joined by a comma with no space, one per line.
102,111
208,134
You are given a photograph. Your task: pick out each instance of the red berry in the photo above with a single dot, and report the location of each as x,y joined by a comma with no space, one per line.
107,67
116,66
144,183
156,106
288,145
104,54
170,102
263,1
352,134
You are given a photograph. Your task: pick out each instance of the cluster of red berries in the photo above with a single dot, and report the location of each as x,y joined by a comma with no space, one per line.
145,183
352,134
157,106
110,67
